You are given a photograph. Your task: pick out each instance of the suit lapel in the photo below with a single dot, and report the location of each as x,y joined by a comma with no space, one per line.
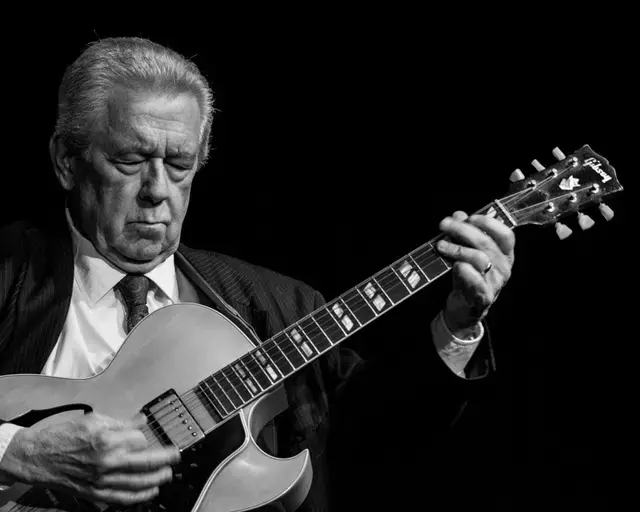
224,289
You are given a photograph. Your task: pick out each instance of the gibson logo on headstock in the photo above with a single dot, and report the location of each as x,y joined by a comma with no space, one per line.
595,165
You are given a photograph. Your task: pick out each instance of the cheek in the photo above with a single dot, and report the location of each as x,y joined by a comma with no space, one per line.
180,200
114,204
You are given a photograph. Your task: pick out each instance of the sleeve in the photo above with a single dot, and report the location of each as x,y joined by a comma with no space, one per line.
7,431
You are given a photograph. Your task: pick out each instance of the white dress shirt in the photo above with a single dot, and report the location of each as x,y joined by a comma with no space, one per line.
94,329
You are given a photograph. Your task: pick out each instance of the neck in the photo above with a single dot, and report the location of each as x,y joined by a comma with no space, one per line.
264,368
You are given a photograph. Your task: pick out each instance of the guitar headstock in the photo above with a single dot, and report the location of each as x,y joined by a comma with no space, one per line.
569,186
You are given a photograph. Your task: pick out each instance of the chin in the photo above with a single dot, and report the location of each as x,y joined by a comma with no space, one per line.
140,259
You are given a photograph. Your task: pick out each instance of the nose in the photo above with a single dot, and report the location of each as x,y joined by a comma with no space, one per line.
155,182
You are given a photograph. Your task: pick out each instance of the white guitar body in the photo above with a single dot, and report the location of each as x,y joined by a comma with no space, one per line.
173,348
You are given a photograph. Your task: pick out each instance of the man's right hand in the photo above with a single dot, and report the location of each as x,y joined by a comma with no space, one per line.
93,457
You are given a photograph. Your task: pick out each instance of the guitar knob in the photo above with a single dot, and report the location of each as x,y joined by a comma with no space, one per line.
516,175
585,221
537,165
558,154
606,212
562,231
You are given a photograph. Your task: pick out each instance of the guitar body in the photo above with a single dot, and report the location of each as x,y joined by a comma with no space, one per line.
173,348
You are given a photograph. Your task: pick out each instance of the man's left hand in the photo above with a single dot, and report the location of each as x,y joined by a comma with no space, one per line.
482,248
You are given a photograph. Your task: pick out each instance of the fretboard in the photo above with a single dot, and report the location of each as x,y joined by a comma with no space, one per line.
264,368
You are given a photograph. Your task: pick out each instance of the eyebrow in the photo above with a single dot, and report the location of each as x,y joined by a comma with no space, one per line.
125,149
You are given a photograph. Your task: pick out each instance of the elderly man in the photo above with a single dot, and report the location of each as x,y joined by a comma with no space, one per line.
132,132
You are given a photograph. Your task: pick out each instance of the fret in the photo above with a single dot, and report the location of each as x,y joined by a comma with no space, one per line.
214,410
256,371
330,327
360,308
401,280
392,285
343,313
267,364
428,260
371,293
413,275
241,388
219,393
288,348
279,358
229,390
314,335
307,350
213,398
246,378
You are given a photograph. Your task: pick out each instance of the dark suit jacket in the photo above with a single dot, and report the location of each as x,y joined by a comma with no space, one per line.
36,277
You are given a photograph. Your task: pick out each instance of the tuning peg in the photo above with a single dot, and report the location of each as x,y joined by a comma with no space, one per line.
562,231
585,221
606,212
516,175
538,166
558,154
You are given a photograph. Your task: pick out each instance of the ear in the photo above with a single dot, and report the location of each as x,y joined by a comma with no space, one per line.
63,162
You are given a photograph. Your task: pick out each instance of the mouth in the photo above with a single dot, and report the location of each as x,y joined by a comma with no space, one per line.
149,223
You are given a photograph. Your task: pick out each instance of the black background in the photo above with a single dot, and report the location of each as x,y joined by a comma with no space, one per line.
341,144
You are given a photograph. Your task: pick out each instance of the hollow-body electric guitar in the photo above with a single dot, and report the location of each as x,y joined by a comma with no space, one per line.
211,400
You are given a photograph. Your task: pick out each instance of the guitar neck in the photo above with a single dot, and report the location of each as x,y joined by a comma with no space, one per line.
264,368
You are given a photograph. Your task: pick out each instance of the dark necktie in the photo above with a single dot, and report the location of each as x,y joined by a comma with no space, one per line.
134,290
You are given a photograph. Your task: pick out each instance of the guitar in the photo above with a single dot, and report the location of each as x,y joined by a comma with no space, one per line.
215,398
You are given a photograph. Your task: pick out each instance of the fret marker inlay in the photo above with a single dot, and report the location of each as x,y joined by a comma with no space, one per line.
263,361
348,324
412,277
301,343
370,290
346,321
379,302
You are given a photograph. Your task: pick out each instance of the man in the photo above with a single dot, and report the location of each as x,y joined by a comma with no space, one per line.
133,130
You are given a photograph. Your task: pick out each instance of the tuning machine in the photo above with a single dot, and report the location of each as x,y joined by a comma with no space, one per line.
537,165
606,211
558,153
516,175
563,231
584,221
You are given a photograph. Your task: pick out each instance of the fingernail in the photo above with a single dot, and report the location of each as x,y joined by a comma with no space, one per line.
442,245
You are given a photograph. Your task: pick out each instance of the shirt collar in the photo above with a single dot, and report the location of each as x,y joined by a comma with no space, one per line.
97,276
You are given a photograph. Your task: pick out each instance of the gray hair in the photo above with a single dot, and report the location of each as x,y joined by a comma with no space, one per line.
132,62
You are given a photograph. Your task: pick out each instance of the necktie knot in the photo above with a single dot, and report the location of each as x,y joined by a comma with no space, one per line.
134,290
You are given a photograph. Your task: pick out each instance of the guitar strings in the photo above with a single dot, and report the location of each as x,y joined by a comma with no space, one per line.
277,353
230,382
195,403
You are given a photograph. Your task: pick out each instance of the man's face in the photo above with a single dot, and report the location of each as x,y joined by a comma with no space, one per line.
130,196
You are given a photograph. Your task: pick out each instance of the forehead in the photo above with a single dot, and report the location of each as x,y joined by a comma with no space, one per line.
151,122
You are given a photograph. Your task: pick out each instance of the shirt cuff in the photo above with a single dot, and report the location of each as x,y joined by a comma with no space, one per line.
7,431
442,336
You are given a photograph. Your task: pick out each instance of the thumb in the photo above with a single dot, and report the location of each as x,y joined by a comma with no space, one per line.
138,421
